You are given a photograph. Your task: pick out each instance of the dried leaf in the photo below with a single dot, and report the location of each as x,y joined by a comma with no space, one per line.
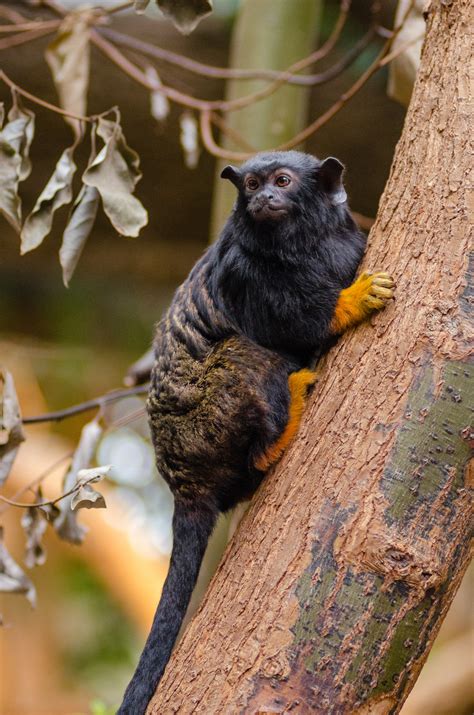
65,524
114,173
87,498
56,193
10,202
68,57
94,474
11,432
189,139
159,104
12,578
48,511
185,14
15,141
19,132
34,525
403,69
78,230
141,5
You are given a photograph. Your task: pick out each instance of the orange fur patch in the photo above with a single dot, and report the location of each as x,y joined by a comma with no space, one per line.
298,383
351,307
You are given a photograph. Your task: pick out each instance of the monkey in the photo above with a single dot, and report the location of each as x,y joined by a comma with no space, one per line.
235,356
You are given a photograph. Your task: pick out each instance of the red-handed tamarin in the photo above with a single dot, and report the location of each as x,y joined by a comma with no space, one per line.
234,356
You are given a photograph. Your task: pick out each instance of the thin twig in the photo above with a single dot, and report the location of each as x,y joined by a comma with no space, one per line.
306,80
344,98
223,105
126,419
119,59
216,150
54,6
210,144
245,101
12,15
49,502
399,50
38,480
86,406
231,133
215,72
32,25
23,37
42,102
129,68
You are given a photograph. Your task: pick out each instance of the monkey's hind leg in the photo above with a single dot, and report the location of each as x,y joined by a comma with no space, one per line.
367,294
298,385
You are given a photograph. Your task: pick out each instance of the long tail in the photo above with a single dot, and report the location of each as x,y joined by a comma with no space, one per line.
191,531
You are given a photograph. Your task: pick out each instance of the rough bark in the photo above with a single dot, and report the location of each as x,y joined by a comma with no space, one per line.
331,593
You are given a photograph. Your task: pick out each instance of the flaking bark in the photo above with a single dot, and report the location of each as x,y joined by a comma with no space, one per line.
332,592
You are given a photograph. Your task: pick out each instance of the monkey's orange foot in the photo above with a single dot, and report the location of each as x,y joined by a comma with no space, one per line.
298,383
378,289
368,293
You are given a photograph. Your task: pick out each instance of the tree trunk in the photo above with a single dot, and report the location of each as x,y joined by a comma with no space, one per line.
331,593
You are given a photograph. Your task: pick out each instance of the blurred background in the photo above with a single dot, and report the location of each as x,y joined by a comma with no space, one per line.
76,651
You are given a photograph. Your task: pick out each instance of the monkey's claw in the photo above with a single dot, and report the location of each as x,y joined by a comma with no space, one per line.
378,289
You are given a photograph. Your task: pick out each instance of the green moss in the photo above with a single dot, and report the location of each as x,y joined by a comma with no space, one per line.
429,445
375,632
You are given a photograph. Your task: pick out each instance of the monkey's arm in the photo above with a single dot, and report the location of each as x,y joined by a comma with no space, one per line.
367,294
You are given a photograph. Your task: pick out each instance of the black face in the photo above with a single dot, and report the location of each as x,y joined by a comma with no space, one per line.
269,194
274,186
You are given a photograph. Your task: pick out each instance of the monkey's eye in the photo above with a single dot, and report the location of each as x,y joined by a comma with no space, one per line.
282,180
251,184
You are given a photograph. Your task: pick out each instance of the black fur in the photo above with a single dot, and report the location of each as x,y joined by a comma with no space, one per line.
255,308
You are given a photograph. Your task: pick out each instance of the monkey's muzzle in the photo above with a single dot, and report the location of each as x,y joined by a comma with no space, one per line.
262,209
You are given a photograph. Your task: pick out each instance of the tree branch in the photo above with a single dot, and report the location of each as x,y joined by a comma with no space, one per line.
93,404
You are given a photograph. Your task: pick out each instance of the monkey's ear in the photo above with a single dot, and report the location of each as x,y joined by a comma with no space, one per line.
330,172
232,173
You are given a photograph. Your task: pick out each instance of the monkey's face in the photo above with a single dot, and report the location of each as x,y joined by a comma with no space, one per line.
275,186
269,196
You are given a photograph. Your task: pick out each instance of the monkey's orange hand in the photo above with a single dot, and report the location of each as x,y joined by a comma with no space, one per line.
368,293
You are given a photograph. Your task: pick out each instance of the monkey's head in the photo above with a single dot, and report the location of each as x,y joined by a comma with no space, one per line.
275,186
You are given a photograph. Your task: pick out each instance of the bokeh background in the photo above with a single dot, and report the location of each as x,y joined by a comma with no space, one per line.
76,651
